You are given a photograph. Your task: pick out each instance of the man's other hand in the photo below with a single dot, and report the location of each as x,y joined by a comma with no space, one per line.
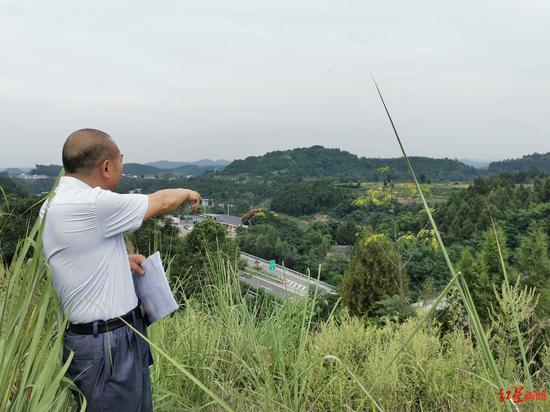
135,263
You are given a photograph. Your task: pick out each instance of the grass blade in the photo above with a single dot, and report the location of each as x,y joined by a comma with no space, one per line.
463,288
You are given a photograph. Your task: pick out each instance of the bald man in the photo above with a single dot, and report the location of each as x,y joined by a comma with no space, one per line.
92,272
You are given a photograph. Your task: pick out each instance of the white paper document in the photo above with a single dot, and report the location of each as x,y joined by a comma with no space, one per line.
153,290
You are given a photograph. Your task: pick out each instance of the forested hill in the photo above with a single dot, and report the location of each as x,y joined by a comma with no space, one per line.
318,161
538,163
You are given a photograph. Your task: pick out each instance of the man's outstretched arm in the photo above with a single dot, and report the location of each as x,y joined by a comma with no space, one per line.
166,200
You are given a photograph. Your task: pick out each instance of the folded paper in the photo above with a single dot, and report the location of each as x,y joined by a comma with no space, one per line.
153,291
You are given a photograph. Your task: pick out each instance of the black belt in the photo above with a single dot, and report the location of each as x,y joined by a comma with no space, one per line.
102,326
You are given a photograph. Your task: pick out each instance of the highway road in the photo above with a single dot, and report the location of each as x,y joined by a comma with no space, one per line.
273,287
287,279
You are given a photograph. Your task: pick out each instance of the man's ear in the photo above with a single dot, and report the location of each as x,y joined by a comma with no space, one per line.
106,168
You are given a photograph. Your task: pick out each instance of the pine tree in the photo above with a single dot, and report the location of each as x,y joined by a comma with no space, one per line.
491,257
371,275
532,257
477,278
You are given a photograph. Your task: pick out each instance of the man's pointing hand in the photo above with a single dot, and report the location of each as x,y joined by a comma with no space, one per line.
194,197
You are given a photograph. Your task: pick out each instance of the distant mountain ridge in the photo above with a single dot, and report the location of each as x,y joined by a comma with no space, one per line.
477,163
170,164
183,170
13,171
136,169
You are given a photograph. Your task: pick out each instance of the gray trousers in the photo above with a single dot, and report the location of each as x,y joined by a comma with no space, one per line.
112,368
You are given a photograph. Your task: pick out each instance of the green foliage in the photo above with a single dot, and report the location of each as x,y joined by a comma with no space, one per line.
475,273
206,238
533,264
346,233
305,197
16,218
534,164
392,308
491,258
218,351
209,237
532,258
482,270
31,333
333,268
466,214
515,305
47,170
426,269
381,196
371,276
266,241
298,246
317,161
11,186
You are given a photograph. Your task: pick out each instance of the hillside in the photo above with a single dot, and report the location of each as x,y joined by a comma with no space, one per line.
318,161
530,163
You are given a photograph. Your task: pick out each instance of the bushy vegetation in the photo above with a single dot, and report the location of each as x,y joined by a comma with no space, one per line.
17,216
467,214
224,352
305,198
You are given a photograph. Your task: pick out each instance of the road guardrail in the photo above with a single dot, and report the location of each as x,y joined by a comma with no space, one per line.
306,278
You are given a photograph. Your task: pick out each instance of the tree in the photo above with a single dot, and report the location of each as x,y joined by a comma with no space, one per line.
370,276
345,234
386,197
533,264
10,186
479,283
16,217
532,257
490,255
207,239
306,197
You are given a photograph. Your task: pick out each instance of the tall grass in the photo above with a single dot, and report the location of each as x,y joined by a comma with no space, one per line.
31,332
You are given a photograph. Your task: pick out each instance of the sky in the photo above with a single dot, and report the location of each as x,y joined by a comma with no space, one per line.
187,80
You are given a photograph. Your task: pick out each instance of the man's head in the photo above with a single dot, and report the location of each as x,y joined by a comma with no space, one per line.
93,157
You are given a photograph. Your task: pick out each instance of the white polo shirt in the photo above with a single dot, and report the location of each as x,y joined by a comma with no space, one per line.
83,243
